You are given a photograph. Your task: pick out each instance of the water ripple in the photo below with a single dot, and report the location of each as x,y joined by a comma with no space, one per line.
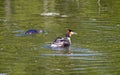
74,55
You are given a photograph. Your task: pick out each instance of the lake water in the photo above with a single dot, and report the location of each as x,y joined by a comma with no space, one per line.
94,50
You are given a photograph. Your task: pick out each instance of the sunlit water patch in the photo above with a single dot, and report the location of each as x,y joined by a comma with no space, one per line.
54,14
50,14
3,73
74,55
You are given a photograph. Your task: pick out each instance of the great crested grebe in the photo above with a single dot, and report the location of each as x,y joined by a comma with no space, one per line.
63,42
33,31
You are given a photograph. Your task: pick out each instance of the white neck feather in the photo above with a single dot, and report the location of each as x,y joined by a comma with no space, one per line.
69,39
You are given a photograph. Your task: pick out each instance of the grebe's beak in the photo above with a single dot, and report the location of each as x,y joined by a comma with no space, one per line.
73,33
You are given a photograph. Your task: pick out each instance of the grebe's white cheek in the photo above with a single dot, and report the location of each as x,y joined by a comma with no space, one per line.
72,32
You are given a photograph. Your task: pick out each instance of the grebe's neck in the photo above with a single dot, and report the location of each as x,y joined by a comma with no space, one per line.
68,38
68,35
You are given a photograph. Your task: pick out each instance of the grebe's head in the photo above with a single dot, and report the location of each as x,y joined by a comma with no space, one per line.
70,33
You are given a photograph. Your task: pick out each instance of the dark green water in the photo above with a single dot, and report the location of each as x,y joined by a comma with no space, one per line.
95,49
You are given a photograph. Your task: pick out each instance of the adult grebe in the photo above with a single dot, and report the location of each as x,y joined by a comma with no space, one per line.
63,42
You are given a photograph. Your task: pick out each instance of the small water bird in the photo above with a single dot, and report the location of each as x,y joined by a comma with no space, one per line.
61,42
33,31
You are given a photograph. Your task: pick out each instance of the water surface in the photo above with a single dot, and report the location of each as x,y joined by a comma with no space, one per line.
94,50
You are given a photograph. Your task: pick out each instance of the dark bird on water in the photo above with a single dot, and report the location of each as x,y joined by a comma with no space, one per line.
33,31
